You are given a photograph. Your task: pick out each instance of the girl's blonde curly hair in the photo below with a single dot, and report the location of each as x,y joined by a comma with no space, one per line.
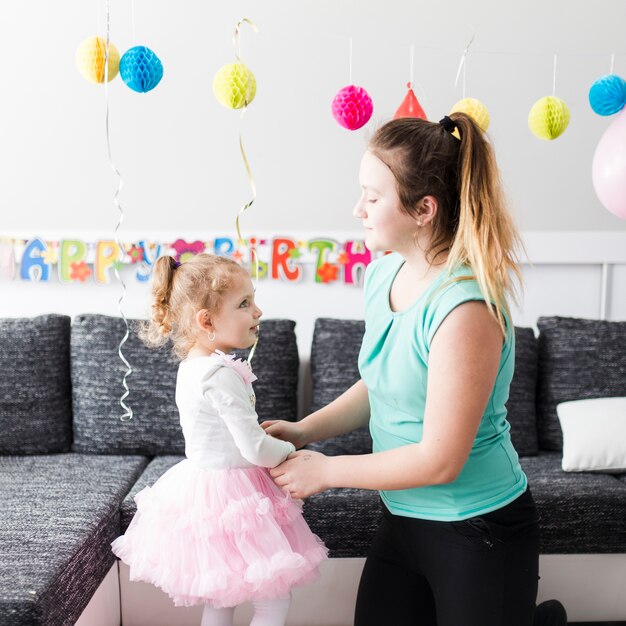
179,291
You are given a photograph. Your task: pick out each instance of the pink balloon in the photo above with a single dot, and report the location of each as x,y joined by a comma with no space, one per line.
609,167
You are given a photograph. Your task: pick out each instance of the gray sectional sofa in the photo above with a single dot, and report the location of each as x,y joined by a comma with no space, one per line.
69,467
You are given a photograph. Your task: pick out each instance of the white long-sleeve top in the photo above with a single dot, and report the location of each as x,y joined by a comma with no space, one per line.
217,415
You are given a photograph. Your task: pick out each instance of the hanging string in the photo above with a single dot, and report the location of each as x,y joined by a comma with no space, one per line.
132,17
350,82
128,412
240,240
554,78
98,17
463,62
464,75
612,62
421,92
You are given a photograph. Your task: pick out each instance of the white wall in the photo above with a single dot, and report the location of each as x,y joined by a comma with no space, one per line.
176,147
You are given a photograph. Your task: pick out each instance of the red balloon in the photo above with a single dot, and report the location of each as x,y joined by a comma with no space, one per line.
410,106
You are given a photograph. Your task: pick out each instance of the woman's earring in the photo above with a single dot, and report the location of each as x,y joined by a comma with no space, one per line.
211,336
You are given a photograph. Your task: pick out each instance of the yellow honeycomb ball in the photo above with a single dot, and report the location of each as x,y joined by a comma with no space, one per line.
234,85
475,109
90,57
548,118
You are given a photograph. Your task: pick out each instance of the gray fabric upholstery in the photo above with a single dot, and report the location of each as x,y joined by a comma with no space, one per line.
275,363
154,470
578,359
97,373
334,368
345,519
59,514
35,401
581,513
521,405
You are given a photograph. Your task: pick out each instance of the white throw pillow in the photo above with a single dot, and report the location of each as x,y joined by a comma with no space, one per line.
594,435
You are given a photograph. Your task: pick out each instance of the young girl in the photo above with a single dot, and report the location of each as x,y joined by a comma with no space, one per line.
458,544
215,529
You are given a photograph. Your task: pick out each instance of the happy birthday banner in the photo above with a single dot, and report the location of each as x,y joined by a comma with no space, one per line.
279,258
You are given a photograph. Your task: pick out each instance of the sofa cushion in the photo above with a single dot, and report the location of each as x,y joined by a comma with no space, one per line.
521,405
59,514
35,396
97,373
581,513
578,359
334,368
345,519
153,471
276,363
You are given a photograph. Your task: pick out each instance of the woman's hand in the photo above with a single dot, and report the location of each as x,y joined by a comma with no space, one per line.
302,474
287,431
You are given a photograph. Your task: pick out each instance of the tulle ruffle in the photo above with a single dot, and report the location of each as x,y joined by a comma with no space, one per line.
219,536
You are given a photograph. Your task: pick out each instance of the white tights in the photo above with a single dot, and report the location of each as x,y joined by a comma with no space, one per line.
266,613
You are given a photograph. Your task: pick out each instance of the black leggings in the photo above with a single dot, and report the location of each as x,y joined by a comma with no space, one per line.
482,571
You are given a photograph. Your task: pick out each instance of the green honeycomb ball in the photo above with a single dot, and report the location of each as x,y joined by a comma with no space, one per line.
548,118
234,85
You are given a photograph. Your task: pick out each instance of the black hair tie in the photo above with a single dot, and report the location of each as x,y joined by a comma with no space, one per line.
448,124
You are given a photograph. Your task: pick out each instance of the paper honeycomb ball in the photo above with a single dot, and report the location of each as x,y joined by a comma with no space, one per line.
608,94
475,109
141,69
548,118
234,85
90,57
352,107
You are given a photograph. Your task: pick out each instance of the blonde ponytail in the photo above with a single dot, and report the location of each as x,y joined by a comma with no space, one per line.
486,237
157,330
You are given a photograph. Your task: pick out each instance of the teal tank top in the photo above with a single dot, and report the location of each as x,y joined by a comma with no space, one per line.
393,363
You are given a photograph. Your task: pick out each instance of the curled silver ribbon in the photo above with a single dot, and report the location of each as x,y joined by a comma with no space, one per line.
128,412
240,240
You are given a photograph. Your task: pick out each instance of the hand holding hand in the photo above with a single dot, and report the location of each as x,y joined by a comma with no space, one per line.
303,473
287,431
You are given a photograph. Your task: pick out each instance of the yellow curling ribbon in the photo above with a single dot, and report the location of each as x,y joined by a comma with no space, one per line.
240,240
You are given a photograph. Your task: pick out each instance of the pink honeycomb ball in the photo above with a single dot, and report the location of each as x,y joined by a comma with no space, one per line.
352,107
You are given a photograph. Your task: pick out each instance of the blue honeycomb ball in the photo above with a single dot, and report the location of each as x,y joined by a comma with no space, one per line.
608,94
141,69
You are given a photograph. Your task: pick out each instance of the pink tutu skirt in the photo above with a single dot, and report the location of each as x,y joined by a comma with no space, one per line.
219,536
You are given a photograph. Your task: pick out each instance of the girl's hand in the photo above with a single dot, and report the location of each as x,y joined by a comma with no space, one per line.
302,474
287,431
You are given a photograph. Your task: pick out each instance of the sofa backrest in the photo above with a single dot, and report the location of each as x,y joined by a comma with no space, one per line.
334,368
97,372
35,397
578,359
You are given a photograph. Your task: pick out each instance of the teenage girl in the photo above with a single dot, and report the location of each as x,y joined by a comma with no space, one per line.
458,544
